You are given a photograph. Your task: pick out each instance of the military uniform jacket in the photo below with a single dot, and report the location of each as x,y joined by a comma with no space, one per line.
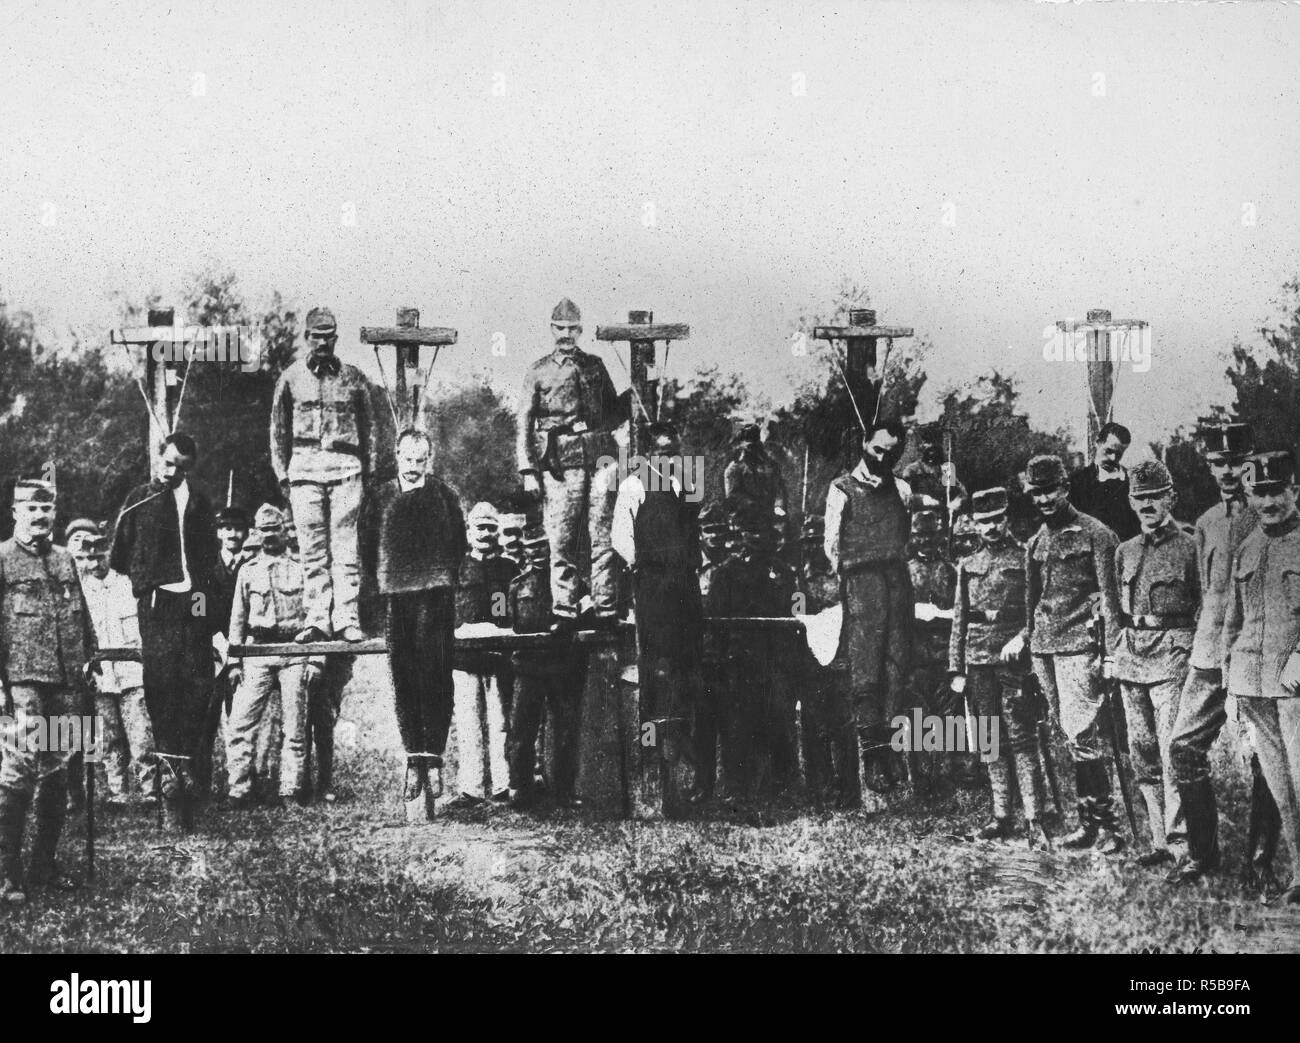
819,586
562,390
45,631
1262,625
1159,593
322,427
934,582
989,606
1219,532
482,596
268,600
1069,567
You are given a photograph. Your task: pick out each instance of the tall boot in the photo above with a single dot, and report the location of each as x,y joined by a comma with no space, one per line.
1261,843
1090,783
48,809
1202,817
13,816
1029,779
1001,825
875,779
1110,841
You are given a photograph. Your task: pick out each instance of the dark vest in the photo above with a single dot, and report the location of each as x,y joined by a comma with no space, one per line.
874,527
663,533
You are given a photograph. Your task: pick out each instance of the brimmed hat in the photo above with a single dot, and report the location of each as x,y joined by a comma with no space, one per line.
29,489
566,312
1237,440
321,320
926,523
232,516
482,512
1044,472
269,517
1149,478
988,504
1269,472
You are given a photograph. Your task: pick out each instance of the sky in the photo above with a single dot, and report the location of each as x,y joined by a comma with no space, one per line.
983,168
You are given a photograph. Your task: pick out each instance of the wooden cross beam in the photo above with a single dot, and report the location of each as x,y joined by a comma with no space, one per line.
408,336
860,336
162,383
1097,330
641,333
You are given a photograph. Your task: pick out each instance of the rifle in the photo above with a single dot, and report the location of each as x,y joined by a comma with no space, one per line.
1043,736
1110,696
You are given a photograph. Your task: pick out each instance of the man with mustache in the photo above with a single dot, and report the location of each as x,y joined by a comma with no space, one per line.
45,642
1261,632
867,529
323,448
1070,571
1159,591
569,412
1219,532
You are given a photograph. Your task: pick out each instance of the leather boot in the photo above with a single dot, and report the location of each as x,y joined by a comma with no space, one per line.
997,829
1090,783
1000,785
13,816
1261,845
1085,834
1036,836
1202,817
875,779
1109,839
48,809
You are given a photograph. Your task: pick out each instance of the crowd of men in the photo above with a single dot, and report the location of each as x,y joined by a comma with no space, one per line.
1112,613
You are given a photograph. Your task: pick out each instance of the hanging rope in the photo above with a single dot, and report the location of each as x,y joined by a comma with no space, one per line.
632,386
835,357
388,394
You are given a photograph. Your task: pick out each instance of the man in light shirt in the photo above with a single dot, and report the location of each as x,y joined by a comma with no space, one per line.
127,735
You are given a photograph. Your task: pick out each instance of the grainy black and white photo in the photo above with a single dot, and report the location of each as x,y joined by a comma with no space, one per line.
702,476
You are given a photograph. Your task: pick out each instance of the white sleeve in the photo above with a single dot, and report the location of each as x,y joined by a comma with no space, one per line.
622,533
835,501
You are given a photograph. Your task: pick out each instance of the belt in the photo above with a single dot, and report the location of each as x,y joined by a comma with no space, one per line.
1183,622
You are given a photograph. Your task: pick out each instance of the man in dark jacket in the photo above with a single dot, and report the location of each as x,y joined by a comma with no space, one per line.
166,543
418,535
1101,488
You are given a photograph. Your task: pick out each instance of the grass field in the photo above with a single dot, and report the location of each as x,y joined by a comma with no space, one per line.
353,877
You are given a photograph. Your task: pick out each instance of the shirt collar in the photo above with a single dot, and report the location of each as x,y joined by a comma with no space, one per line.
866,477
408,487
38,545
1154,539
1120,474
560,356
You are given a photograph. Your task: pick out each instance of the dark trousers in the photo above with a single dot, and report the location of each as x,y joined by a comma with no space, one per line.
555,690
176,649
421,625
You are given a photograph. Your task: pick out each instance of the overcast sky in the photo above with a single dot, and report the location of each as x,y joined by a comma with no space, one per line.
984,168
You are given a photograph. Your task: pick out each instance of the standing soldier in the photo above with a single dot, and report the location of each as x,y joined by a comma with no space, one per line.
986,659
926,476
45,643
232,534
1261,632
323,447
713,540
510,536
1159,592
752,480
1219,532
569,411
166,543
119,687
481,709
419,541
826,712
548,681
866,539
1070,566
267,610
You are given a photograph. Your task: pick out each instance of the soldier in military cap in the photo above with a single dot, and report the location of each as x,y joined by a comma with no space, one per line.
752,479
268,609
1159,592
1261,632
126,734
81,530
548,681
510,536
1070,573
1218,534
45,642
867,529
714,526
323,447
927,476
569,411
986,660
482,707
